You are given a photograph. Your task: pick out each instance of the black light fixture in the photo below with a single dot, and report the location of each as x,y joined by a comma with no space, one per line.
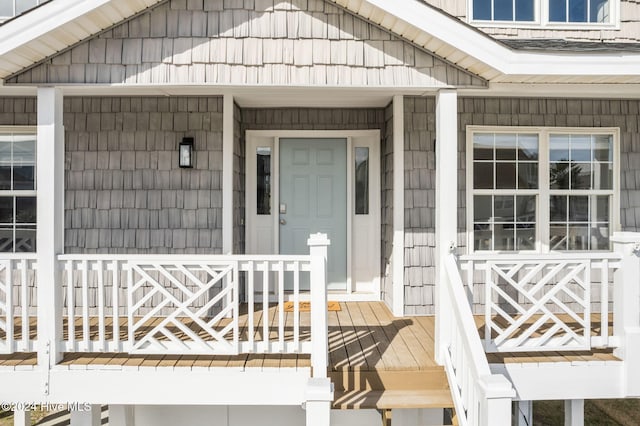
185,153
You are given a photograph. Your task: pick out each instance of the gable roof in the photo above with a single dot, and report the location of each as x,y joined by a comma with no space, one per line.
60,24
313,44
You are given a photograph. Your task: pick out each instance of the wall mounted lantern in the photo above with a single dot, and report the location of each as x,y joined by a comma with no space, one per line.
185,153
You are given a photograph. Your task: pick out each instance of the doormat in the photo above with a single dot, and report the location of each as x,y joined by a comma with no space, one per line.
306,306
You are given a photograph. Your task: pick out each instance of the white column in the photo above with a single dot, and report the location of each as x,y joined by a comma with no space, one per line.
626,309
397,256
121,415
227,174
22,418
318,397
574,412
524,415
446,200
318,244
50,224
90,417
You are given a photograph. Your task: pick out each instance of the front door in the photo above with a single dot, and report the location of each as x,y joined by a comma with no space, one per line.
313,198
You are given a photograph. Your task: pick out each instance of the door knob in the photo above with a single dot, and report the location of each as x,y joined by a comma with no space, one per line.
283,222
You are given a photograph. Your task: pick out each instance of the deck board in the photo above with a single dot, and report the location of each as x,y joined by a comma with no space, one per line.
373,357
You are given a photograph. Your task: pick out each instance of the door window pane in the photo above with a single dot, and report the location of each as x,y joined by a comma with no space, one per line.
263,189
362,180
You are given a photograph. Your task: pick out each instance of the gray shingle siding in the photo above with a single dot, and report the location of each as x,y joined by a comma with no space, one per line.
253,43
124,191
419,205
386,183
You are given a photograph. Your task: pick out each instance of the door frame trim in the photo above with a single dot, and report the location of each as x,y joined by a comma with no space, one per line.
274,136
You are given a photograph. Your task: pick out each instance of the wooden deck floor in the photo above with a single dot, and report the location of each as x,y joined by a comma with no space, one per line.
375,360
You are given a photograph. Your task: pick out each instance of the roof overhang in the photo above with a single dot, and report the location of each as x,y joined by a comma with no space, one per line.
56,25
59,24
469,48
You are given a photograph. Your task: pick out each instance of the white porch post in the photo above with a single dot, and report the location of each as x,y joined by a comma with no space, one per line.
227,174
446,201
496,404
121,415
22,418
319,391
90,417
397,257
50,224
626,309
524,415
574,412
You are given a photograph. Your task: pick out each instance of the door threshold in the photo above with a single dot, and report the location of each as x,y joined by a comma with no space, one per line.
332,296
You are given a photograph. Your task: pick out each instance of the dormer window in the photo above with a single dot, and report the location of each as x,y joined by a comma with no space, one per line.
504,10
11,8
554,14
579,11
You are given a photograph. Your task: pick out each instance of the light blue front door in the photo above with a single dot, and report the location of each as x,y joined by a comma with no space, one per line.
313,198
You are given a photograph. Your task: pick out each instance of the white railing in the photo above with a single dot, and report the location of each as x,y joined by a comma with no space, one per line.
17,301
191,304
182,304
480,398
543,302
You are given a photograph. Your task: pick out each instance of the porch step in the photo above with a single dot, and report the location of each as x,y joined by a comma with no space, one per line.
388,389
390,399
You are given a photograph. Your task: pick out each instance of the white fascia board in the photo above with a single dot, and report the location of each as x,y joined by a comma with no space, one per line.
42,20
472,42
564,380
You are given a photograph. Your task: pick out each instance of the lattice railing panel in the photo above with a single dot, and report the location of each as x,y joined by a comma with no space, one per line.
194,309
538,305
545,302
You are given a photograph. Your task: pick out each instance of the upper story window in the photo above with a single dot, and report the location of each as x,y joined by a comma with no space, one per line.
544,13
504,10
11,8
541,189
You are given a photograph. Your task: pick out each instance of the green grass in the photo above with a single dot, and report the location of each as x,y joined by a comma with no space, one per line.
599,412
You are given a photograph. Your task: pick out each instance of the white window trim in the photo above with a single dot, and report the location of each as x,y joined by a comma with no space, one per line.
543,191
541,19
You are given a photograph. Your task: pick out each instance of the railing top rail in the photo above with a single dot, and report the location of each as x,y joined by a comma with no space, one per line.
559,256
467,326
188,257
18,256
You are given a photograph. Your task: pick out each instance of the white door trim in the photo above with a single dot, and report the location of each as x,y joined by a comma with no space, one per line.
364,138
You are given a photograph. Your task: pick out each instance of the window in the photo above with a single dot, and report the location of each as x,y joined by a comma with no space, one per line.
17,192
11,8
550,189
579,11
263,174
544,12
503,10
362,180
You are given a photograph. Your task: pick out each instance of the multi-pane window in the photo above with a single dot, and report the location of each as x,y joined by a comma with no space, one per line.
579,11
581,186
11,8
504,10
544,12
541,190
505,182
17,192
